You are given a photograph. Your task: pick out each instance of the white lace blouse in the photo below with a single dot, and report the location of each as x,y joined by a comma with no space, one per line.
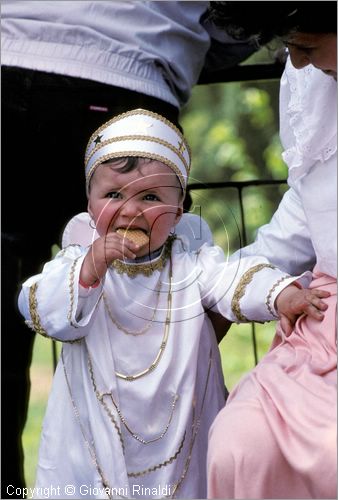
303,231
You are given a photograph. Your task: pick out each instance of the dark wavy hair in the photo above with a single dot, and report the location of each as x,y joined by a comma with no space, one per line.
266,20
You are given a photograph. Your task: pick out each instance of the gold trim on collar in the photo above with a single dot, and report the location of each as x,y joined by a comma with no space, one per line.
132,269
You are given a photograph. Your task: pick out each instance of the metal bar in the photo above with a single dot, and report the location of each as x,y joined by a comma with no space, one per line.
245,240
239,186
254,341
243,73
54,355
234,184
241,208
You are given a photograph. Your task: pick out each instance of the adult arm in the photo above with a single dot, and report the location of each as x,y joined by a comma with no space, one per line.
285,241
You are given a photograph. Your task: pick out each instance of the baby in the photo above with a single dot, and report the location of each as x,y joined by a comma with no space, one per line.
139,381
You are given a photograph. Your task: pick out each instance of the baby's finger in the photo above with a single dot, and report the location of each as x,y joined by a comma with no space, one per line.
121,252
323,294
116,241
116,250
317,302
286,325
314,312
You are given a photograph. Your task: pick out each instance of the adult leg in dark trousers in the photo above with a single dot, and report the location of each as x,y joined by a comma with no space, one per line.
47,120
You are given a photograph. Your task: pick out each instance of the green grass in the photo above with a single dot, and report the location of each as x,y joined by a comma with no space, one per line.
237,350
41,378
237,358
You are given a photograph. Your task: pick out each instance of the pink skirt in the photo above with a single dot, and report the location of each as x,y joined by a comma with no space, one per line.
276,436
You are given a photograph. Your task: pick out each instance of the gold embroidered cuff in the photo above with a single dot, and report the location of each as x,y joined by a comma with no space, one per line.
240,290
35,323
72,291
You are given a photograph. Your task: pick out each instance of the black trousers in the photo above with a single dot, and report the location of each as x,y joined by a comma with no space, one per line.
47,120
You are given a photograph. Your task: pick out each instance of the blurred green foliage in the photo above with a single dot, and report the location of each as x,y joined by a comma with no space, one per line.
232,129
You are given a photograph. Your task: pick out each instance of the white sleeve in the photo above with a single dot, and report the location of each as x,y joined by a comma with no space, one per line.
285,242
54,304
244,289
194,231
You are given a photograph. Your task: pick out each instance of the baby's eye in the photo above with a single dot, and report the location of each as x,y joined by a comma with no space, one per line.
114,195
151,197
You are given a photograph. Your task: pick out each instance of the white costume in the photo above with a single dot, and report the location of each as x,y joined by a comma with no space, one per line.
105,418
139,381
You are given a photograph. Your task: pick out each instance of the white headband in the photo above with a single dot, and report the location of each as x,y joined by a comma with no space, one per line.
139,133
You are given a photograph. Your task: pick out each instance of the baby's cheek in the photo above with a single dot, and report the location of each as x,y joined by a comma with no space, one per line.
104,223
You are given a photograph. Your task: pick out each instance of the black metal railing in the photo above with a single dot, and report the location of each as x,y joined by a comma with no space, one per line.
243,73
240,187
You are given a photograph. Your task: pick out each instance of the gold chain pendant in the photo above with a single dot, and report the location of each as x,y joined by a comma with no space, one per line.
125,330
131,378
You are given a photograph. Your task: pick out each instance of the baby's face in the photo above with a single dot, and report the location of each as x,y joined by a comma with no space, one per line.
146,198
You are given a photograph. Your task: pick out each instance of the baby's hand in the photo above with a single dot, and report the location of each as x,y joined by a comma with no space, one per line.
292,302
102,252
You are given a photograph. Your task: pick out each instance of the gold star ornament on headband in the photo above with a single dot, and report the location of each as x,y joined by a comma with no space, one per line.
139,133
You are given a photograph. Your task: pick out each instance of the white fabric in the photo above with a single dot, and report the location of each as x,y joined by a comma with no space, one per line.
110,42
193,232
308,118
201,279
303,231
139,133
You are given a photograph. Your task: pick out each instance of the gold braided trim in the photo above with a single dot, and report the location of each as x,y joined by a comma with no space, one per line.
269,296
138,138
159,466
195,429
101,400
153,366
35,324
62,252
72,292
146,268
138,112
152,156
240,289
120,327
89,445
136,436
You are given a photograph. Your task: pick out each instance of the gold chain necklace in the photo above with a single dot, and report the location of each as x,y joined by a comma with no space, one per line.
100,397
137,436
131,378
125,330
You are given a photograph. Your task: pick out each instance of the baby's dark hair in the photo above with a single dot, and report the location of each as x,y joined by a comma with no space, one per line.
264,21
129,163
